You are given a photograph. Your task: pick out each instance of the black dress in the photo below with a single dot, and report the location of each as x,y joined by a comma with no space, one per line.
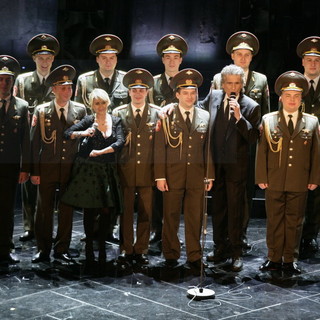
94,181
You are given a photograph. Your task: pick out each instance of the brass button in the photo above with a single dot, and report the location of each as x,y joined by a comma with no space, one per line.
138,162
290,165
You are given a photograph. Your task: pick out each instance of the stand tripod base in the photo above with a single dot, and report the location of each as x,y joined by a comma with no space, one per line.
200,294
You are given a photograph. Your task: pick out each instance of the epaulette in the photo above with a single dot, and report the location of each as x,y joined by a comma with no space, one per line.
87,74
123,106
25,75
270,114
78,104
154,106
157,76
309,115
122,72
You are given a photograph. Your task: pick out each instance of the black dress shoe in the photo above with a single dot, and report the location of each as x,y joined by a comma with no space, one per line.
10,258
125,257
27,236
216,257
196,264
63,256
155,237
291,267
171,263
113,239
141,258
40,257
270,266
237,264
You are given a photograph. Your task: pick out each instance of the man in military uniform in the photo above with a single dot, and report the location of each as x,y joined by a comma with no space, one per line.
171,48
30,86
14,152
52,158
288,165
139,120
234,120
183,169
106,48
242,46
309,51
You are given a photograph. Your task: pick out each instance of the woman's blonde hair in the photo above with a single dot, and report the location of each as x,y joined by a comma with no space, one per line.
98,94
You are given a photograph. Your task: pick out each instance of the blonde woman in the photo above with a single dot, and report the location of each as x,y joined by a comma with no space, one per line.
94,185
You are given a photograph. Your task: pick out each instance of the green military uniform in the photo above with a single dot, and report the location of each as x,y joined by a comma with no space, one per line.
88,81
181,159
14,154
287,163
136,167
28,87
52,160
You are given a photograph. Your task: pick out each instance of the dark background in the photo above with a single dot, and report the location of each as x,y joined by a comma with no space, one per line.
205,24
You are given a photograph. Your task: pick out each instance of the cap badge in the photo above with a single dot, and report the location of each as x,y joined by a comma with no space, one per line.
5,69
65,69
293,85
107,47
44,47
107,38
138,81
138,71
65,78
43,36
189,72
189,82
314,40
243,35
172,37
292,74
5,58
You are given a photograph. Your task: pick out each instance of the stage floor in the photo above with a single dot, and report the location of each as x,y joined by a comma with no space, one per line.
56,291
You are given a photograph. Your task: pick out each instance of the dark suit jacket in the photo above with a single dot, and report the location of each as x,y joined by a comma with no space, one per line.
86,82
15,138
298,162
53,161
136,157
239,135
186,166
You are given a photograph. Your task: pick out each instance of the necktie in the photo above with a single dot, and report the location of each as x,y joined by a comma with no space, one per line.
43,87
62,117
226,112
3,108
107,83
311,90
290,124
188,122
138,117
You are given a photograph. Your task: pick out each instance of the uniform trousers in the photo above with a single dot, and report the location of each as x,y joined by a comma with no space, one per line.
29,200
8,185
192,202
285,215
45,217
312,218
144,214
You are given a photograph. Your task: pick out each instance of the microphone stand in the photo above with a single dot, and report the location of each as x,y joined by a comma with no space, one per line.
200,293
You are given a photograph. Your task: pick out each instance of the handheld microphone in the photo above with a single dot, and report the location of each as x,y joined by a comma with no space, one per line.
232,96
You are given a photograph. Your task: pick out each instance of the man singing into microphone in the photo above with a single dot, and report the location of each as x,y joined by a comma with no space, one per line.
234,121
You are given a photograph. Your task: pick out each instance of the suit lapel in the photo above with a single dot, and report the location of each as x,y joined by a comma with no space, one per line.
250,82
12,109
299,126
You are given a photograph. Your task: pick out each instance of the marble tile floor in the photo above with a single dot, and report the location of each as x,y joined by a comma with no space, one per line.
57,291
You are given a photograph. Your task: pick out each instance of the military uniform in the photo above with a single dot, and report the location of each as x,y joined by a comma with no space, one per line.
88,81
287,163
181,159
136,167
53,158
28,87
311,104
14,154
